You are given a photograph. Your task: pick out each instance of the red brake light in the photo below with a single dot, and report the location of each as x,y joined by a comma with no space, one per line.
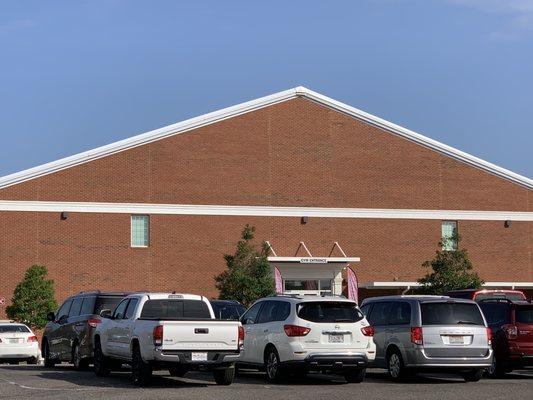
32,339
295,330
489,336
158,335
416,335
241,336
92,322
368,330
511,331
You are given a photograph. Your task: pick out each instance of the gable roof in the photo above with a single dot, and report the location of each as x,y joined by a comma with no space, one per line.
252,105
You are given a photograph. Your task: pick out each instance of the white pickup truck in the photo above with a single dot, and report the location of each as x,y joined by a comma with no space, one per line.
177,332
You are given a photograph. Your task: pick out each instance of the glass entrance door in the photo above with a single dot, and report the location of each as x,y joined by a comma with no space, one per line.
307,286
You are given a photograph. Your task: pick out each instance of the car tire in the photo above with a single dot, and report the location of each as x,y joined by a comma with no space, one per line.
395,366
178,372
355,375
225,376
48,361
473,375
272,365
101,362
141,372
79,362
497,369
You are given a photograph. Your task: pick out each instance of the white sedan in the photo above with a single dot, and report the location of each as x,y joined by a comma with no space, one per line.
18,343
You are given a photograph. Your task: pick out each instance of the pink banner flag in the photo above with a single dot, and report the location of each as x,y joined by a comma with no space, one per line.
353,289
278,281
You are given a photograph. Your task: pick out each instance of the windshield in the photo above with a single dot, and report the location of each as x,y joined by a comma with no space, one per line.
106,303
524,314
170,309
329,311
451,314
14,329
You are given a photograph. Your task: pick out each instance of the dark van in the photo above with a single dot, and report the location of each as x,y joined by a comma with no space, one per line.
68,335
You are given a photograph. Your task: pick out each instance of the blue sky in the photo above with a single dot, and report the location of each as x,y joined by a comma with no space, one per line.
75,75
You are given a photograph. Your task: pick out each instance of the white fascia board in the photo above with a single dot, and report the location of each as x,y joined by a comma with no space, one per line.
262,211
249,106
303,260
403,285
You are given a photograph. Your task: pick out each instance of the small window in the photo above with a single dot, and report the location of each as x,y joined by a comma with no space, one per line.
87,307
274,311
120,311
63,311
380,314
400,313
76,307
449,235
131,308
140,231
250,317
106,303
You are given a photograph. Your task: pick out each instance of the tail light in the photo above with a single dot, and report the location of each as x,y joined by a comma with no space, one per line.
368,330
489,336
32,339
416,335
511,331
158,335
93,322
295,330
241,337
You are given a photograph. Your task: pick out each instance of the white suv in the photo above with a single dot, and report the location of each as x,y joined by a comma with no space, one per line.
304,333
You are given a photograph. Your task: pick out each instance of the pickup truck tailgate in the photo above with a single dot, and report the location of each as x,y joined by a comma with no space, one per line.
200,335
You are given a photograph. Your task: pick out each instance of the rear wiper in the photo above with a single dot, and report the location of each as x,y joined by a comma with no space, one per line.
467,323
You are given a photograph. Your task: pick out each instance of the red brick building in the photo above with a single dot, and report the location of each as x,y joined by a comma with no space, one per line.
159,210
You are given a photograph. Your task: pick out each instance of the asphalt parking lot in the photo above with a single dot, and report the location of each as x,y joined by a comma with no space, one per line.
23,382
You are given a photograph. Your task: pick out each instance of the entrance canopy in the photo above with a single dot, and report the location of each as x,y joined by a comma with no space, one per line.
310,275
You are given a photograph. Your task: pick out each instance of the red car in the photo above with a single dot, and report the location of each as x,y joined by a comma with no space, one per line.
512,331
484,294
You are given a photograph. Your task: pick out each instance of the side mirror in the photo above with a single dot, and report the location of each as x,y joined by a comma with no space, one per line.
51,317
247,321
105,313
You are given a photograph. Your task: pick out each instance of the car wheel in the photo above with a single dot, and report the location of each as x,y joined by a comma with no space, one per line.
177,371
48,361
79,362
141,372
395,366
272,365
473,375
355,375
496,369
224,376
32,360
101,364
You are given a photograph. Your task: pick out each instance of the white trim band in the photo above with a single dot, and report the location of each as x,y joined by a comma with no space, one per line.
404,285
262,211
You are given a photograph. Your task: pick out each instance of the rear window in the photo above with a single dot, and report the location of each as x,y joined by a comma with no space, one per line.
14,329
106,303
496,313
508,296
170,309
451,314
524,315
329,312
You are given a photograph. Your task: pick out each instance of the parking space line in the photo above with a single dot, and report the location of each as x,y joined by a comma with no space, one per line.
47,389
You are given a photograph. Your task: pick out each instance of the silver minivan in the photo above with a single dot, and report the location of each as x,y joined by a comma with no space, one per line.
429,333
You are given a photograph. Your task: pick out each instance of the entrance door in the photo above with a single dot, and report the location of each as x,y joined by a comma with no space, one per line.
307,287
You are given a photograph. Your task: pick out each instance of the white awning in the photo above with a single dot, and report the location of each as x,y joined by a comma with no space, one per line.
314,260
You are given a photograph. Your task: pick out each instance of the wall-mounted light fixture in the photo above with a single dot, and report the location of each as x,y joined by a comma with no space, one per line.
63,216
304,220
507,224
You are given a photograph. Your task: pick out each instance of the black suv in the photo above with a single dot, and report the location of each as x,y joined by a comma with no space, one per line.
68,335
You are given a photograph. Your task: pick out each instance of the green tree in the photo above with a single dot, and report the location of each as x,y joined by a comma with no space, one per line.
248,276
33,298
451,269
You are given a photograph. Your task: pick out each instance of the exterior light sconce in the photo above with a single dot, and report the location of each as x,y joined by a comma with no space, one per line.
304,220
507,224
63,216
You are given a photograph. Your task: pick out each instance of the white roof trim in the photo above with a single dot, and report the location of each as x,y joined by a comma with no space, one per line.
262,211
313,260
404,285
246,107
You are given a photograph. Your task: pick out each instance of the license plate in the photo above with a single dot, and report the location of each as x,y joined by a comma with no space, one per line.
198,356
336,338
14,340
456,340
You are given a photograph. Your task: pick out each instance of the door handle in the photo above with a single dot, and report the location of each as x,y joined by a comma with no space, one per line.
265,330
248,330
